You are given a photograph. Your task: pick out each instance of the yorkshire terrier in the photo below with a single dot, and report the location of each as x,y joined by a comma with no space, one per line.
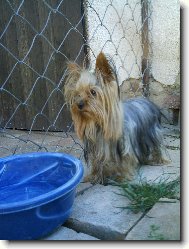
117,136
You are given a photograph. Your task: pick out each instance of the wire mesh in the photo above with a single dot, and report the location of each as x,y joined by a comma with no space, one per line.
38,38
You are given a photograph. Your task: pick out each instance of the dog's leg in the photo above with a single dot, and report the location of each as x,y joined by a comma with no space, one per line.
157,157
96,175
127,169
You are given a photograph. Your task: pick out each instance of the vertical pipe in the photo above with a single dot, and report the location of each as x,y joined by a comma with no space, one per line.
85,33
145,48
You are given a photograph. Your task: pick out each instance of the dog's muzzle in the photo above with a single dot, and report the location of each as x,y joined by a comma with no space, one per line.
81,104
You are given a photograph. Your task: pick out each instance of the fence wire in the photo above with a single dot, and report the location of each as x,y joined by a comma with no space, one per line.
38,38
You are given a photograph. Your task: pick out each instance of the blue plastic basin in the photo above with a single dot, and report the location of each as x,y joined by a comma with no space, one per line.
37,191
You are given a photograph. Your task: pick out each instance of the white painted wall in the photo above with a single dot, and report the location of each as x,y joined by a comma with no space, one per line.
165,40
117,36
115,29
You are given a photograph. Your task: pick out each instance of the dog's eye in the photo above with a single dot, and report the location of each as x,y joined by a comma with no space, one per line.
93,92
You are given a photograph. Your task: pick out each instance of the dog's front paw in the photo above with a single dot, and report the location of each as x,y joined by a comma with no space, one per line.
160,162
87,178
93,179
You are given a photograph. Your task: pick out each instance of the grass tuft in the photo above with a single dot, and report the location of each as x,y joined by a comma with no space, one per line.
142,197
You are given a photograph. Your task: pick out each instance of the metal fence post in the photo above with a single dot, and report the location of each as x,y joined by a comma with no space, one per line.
145,48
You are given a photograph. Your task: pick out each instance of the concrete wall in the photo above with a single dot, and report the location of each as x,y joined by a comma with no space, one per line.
116,29
165,40
165,34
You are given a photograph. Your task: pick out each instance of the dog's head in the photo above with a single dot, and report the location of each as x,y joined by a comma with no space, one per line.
94,99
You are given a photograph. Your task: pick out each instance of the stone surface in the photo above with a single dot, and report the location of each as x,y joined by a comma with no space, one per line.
156,173
64,233
97,213
162,222
82,187
171,130
172,143
18,142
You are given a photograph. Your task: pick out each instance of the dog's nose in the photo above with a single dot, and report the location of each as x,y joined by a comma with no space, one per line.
80,104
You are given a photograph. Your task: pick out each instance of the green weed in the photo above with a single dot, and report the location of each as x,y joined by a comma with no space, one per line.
144,195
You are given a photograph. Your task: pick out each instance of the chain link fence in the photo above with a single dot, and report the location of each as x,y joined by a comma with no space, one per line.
38,38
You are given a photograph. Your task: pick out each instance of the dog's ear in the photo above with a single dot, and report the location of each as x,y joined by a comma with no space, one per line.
104,68
73,69
73,74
